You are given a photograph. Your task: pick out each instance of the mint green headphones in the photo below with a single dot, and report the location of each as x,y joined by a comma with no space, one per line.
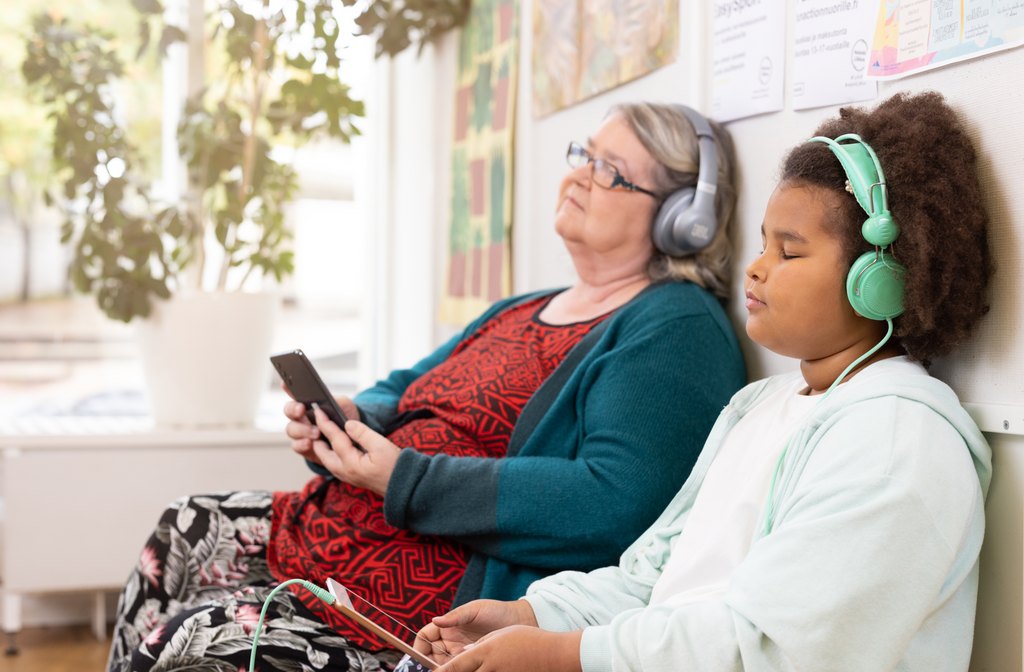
875,282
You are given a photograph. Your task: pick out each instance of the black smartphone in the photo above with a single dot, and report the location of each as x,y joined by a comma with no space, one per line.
306,386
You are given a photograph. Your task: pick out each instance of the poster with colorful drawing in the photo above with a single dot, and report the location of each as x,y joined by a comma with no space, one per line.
915,35
479,267
584,47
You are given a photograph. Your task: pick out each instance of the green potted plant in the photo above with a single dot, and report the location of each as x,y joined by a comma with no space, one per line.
129,247
278,85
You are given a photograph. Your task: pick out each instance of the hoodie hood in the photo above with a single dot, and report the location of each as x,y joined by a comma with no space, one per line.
898,377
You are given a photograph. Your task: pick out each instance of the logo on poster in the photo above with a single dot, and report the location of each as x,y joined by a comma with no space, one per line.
859,55
764,71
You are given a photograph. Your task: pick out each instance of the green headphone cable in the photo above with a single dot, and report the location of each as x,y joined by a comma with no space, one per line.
856,362
769,513
321,593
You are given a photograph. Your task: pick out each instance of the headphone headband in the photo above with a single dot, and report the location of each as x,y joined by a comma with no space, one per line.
708,165
687,222
863,170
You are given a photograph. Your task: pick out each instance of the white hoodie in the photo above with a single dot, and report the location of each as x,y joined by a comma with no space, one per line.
871,561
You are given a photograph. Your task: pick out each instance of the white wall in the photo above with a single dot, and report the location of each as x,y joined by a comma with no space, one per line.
997,633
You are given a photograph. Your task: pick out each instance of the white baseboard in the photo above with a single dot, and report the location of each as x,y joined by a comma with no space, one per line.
58,609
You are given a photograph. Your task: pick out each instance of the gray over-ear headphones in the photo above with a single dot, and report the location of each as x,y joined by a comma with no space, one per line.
686,222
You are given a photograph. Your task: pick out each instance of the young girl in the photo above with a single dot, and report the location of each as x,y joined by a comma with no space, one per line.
835,516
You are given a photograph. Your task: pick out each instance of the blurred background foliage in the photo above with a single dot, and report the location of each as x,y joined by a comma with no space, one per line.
85,134
25,131
277,84
399,24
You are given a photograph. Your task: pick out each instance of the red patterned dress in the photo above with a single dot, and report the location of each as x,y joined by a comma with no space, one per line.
471,402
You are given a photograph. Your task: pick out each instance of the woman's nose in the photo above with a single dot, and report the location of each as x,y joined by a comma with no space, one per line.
582,174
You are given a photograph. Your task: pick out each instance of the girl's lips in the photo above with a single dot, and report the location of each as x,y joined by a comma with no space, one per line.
753,302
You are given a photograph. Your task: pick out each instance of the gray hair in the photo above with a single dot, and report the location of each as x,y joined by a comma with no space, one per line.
669,137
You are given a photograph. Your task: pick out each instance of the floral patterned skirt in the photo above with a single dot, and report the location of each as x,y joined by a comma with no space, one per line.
194,599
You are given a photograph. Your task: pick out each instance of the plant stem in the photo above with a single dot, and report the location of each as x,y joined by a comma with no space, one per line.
245,277
195,207
259,63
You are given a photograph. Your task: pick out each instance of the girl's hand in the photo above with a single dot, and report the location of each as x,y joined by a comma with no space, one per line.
447,635
368,465
520,648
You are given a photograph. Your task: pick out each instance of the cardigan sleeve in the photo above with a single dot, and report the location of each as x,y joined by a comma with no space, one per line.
642,411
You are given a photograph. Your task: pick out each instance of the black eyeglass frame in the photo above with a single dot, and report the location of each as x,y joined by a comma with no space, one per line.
575,149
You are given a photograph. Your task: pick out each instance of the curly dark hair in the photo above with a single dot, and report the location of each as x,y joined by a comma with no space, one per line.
935,197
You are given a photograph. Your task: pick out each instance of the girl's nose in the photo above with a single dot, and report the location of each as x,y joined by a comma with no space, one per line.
755,270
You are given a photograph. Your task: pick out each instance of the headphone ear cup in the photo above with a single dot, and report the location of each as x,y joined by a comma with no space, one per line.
880,230
875,284
663,232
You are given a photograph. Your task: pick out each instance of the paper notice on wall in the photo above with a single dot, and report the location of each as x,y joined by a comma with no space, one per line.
748,52
914,35
831,41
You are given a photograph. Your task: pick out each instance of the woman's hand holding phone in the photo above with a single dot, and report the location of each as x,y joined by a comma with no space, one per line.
367,465
361,457
302,432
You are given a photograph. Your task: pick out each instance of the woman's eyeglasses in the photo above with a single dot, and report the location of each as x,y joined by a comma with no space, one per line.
602,173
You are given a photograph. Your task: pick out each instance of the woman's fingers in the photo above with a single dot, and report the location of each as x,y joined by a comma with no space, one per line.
334,435
363,458
370,441
293,410
299,429
348,407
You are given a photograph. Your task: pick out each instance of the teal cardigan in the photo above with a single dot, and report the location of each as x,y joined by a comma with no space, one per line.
602,462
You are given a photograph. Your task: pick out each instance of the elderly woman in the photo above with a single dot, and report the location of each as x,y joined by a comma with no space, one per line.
546,436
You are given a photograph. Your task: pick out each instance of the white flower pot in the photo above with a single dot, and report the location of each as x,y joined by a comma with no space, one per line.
205,358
